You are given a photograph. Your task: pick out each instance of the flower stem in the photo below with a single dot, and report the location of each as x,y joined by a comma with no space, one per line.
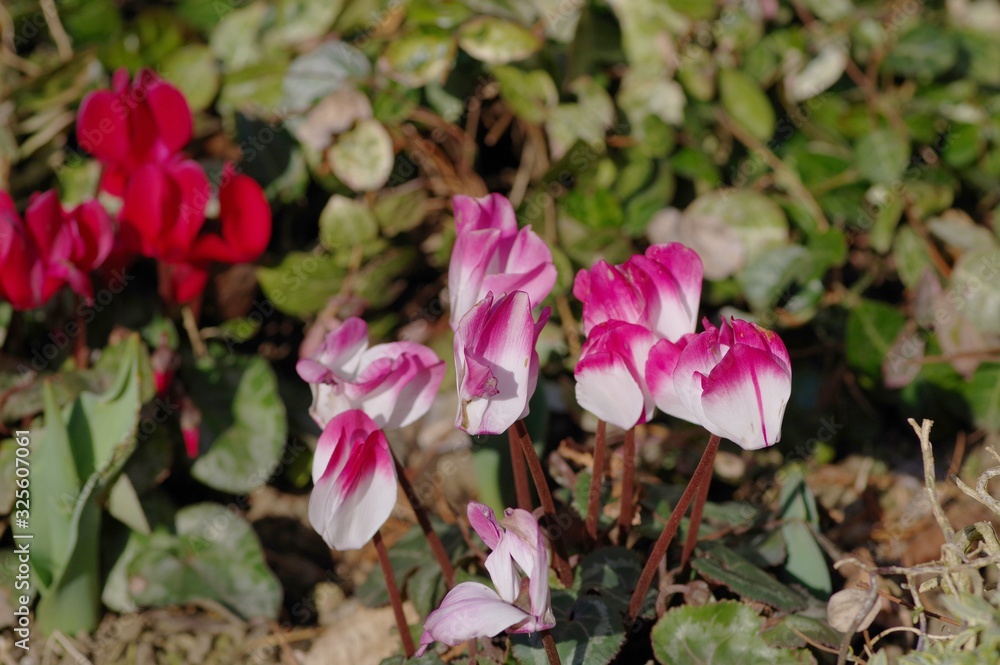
394,595
660,549
81,353
559,562
695,524
437,547
628,487
596,480
521,489
550,648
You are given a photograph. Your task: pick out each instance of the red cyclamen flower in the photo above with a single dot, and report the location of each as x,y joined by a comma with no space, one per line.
51,248
145,122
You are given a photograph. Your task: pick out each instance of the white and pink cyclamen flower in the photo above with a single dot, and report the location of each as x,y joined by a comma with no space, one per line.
354,480
496,364
627,309
393,383
518,605
492,255
734,381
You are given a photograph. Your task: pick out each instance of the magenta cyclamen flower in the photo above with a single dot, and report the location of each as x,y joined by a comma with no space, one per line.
354,481
496,364
394,383
659,291
734,381
610,377
472,610
492,255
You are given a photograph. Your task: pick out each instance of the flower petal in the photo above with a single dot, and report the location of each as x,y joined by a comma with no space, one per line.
397,383
745,397
470,610
660,368
356,488
610,376
483,520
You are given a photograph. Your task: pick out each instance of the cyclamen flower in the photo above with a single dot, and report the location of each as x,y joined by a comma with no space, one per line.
394,383
473,610
51,248
734,381
145,122
659,291
496,364
492,256
163,215
610,377
354,481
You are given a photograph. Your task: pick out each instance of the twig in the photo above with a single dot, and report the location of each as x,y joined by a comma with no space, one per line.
191,326
394,595
626,509
521,489
980,493
63,44
923,432
596,480
559,561
437,547
663,542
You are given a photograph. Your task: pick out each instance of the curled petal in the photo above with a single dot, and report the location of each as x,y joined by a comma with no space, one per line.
468,611
485,523
245,217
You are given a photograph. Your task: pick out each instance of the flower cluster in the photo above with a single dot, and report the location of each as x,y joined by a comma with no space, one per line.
358,391
497,276
472,610
51,248
642,352
136,130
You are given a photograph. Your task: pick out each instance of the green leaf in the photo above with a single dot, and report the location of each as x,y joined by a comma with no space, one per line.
589,630
910,255
400,210
746,103
922,53
882,156
496,41
195,72
362,157
787,633
212,554
612,573
721,565
302,283
872,327
805,564
346,222
243,423
772,273
983,395
975,289
323,70
419,58
723,632
531,95
759,222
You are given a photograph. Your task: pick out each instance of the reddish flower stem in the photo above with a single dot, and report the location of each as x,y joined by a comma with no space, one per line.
550,648
81,352
521,489
628,488
394,595
596,480
559,561
663,542
695,524
437,547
